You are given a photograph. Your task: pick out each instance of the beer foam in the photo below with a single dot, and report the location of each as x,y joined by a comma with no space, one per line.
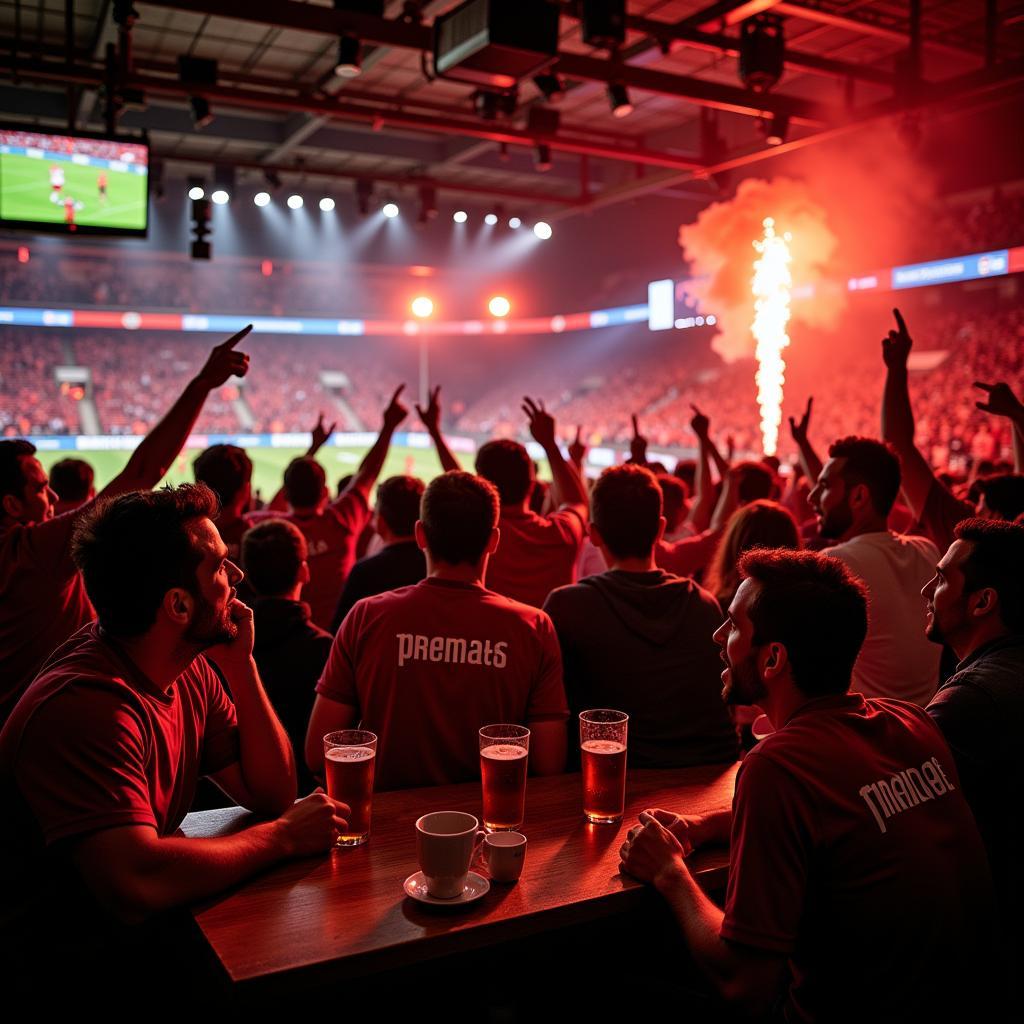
350,754
503,752
603,747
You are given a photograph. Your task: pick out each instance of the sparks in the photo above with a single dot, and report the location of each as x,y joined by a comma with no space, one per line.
771,286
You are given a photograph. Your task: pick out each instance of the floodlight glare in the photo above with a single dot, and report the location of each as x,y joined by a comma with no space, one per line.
389,210
220,197
261,199
491,219
422,307
460,216
542,229
295,202
514,222
499,306
196,192
326,204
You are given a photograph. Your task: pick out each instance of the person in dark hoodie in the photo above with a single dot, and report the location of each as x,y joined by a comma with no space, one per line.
289,650
639,639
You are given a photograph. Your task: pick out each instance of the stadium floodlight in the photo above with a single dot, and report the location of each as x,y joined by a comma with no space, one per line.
202,116
327,204
294,202
491,219
196,192
499,306
261,199
542,229
514,222
220,197
618,100
460,216
422,307
390,210
349,63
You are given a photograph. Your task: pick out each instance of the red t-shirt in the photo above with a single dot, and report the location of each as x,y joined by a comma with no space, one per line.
43,600
688,556
94,744
332,536
427,665
855,854
536,554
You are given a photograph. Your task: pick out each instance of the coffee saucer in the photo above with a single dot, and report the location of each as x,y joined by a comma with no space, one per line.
475,887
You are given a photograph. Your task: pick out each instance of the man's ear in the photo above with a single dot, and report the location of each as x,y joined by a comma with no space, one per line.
983,602
774,660
12,506
493,541
178,605
420,534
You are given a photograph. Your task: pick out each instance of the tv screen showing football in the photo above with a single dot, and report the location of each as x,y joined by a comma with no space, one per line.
73,183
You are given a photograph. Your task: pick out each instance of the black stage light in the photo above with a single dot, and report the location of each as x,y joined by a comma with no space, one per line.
202,116
349,63
762,52
618,99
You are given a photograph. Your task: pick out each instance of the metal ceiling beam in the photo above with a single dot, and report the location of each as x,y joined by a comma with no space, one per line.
725,13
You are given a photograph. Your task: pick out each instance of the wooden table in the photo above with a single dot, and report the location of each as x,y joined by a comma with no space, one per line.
330,918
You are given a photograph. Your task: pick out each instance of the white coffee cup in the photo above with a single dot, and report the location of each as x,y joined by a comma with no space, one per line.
445,844
504,854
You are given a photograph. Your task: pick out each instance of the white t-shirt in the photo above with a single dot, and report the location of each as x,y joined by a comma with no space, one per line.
897,659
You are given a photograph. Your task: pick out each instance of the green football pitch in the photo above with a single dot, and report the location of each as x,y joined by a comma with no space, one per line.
25,193
268,465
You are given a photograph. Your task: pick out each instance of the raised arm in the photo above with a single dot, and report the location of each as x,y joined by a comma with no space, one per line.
431,419
808,456
637,445
373,461
1003,402
704,493
578,450
567,486
152,459
319,436
898,418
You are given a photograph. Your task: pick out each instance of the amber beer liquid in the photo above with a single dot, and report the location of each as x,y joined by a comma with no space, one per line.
604,779
349,772
503,773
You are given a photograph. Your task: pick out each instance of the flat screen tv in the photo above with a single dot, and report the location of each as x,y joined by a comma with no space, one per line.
80,183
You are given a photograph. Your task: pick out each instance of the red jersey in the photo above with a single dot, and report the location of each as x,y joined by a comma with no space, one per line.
427,665
332,536
44,600
69,211
94,744
536,554
854,852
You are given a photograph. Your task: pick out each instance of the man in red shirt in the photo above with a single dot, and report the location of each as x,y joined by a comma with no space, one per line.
227,471
858,884
332,528
100,758
424,667
537,553
44,600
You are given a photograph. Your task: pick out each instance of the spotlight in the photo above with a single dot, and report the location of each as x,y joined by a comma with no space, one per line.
364,193
390,210
201,114
294,202
349,57
551,87
542,229
220,197
542,160
491,219
422,307
327,204
460,216
514,222
762,52
261,199
776,130
196,192
499,306
618,98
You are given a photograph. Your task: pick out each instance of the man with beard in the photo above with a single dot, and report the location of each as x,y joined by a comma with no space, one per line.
100,758
853,497
858,885
976,605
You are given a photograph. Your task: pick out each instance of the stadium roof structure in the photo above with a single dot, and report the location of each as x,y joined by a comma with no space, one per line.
280,109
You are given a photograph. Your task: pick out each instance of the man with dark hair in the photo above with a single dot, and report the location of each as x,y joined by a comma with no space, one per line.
675,505
639,639
1002,496
44,600
332,528
755,482
976,605
290,651
102,753
72,482
426,666
858,886
400,562
227,471
853,497
537,553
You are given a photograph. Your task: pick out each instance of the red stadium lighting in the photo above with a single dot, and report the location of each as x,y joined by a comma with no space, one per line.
266,268
23,254
422,307
499,306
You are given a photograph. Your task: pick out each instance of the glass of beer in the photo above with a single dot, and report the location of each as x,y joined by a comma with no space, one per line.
603,756
504,753
349,758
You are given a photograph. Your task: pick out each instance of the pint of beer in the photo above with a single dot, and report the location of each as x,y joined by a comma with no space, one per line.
603,757
504,753
349,759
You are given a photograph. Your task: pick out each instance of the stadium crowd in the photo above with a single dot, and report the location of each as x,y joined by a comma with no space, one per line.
872,615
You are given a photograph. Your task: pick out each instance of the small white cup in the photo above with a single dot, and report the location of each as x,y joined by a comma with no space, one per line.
504,854
445,844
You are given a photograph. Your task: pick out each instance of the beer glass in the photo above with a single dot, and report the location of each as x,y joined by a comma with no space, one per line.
504,753
603,757
349,759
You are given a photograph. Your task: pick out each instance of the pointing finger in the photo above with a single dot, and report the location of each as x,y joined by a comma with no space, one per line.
236,338
398,391
985,387
636,428
899,321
